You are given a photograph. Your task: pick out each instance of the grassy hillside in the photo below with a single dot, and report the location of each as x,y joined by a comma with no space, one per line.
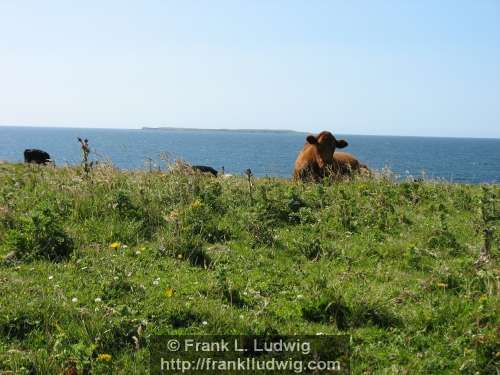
105,261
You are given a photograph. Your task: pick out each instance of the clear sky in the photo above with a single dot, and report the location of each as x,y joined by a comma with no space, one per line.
402,67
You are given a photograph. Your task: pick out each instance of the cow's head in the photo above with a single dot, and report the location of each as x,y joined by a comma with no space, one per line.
326,144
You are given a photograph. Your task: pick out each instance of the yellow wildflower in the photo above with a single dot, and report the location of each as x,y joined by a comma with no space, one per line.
196,204
115,245
169,292
104,357
442,285
483,298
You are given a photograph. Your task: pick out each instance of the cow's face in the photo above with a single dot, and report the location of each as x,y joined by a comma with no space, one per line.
326,144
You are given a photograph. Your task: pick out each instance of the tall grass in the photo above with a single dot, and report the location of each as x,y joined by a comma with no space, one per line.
394,265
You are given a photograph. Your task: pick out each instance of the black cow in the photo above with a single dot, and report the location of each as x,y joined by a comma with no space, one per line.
205,169
33,155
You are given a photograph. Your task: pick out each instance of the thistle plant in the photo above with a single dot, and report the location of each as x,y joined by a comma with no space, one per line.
85,155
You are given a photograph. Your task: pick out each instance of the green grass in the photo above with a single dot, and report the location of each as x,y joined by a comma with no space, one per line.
391,264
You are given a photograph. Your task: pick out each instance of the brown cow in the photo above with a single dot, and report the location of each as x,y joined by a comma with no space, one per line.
315,160
319,159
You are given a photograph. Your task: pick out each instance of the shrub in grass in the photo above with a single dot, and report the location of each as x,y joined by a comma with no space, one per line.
228,291
328,309
18,327
123,204
348,211
118,289
184,317
279,204
332,308
198,219
376,314
418,259
211,195
261,229
443,238
6,221
120,333
187,248
39,235
308,243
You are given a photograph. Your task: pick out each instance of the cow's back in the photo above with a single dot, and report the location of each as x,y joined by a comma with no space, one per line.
345,160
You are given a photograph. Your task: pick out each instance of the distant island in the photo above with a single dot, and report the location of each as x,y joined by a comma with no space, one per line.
221,130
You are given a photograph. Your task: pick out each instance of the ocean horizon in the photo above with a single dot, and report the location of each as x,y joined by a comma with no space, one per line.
268,152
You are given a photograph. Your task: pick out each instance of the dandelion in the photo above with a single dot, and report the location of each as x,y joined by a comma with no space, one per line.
169,292
142,248
104,357
115,245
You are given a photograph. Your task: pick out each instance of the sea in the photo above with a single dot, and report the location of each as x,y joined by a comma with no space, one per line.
266,153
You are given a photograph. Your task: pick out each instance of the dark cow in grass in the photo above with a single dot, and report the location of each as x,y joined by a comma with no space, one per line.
33,155
315,161
205,169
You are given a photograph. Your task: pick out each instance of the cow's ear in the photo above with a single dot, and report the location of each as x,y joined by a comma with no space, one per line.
311,139
341,143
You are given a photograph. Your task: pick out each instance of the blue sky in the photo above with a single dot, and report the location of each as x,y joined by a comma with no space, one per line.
400,67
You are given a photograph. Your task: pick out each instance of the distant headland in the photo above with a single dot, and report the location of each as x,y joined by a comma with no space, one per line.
170,128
